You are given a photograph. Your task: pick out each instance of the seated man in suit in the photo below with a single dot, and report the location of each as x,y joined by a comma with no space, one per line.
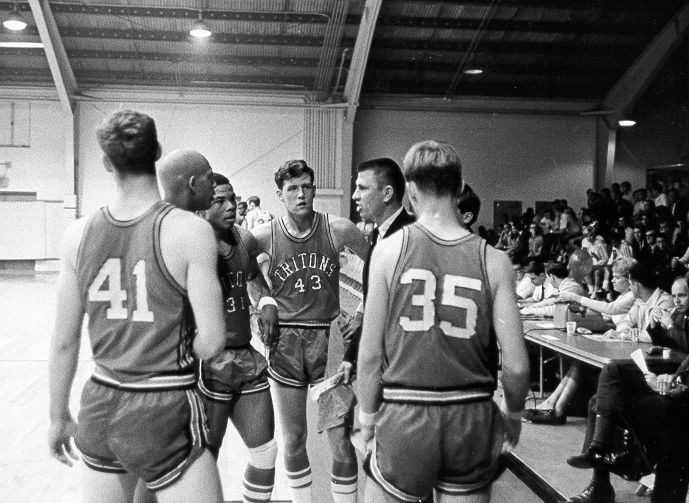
654,406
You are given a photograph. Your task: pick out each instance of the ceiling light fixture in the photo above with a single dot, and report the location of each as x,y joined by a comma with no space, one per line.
22,45
15,21
626,123
472,71
200,29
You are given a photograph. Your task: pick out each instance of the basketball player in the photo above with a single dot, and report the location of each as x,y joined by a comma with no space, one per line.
303,248
138,267
439,303
234,384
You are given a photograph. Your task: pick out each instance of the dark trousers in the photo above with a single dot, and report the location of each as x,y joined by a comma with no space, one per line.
661,424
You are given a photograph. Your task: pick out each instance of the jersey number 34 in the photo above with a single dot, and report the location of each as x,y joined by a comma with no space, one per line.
116,296
426,300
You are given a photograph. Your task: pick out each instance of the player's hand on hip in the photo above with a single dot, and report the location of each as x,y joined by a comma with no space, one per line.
60,439
352,328
268,324
346,368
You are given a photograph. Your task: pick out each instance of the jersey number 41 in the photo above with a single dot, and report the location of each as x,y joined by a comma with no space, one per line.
116,296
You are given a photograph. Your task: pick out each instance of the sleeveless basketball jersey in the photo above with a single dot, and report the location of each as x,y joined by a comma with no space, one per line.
233,270
439,343
305,274
139,319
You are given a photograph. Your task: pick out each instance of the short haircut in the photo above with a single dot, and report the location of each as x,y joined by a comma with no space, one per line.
623,266
387,172
130,142
643,273
535,267
241,204
292,169
470,202
434,166
219,179
253,200
556,269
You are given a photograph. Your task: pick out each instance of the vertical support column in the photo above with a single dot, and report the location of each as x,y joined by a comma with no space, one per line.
323,145
71,200
606,141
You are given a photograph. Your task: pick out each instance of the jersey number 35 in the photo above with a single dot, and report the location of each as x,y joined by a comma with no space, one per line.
427,300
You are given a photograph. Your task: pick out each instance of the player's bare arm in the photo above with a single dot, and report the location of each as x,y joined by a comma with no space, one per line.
190,252
347,235
264,240
508,329
64,349
259,289
371,349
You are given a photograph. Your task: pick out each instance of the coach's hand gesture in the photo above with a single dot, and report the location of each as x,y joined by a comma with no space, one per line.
60,437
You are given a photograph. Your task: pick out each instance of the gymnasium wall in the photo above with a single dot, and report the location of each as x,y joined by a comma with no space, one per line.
38,157
245,144
504,156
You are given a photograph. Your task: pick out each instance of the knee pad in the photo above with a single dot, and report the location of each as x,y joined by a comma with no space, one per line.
263,456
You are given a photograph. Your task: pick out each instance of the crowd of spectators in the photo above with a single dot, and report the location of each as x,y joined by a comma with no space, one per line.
650,225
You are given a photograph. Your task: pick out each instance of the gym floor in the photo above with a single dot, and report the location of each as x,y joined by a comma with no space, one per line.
29,474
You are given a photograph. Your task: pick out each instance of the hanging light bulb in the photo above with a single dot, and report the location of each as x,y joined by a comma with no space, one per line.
15,21
627,123
200,29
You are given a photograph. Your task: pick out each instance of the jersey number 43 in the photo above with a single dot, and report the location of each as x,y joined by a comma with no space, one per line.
114,294
427,301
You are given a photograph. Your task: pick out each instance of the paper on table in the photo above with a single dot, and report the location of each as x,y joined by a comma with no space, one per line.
638,357
546,325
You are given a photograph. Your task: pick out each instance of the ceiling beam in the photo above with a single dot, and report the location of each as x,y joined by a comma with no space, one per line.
609,5
632,46
362,49
58,61
567,26
629,88
468,23
484,104
190,13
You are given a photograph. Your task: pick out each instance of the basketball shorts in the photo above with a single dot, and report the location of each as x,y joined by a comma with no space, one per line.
154,435
235,371
452,448
300,356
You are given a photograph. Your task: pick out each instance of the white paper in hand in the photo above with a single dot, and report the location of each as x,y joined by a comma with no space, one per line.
316,391
638,357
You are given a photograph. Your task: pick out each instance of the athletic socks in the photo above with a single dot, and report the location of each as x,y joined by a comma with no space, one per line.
299,478
344,488
257,484
259,477
343,482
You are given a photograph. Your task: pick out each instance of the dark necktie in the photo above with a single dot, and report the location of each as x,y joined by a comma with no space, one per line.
374,239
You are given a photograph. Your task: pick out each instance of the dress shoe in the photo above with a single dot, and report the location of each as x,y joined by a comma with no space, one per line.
544,416
590,458
595,493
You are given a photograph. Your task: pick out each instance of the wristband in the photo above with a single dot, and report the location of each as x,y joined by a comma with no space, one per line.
367,420
515,416
266,301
